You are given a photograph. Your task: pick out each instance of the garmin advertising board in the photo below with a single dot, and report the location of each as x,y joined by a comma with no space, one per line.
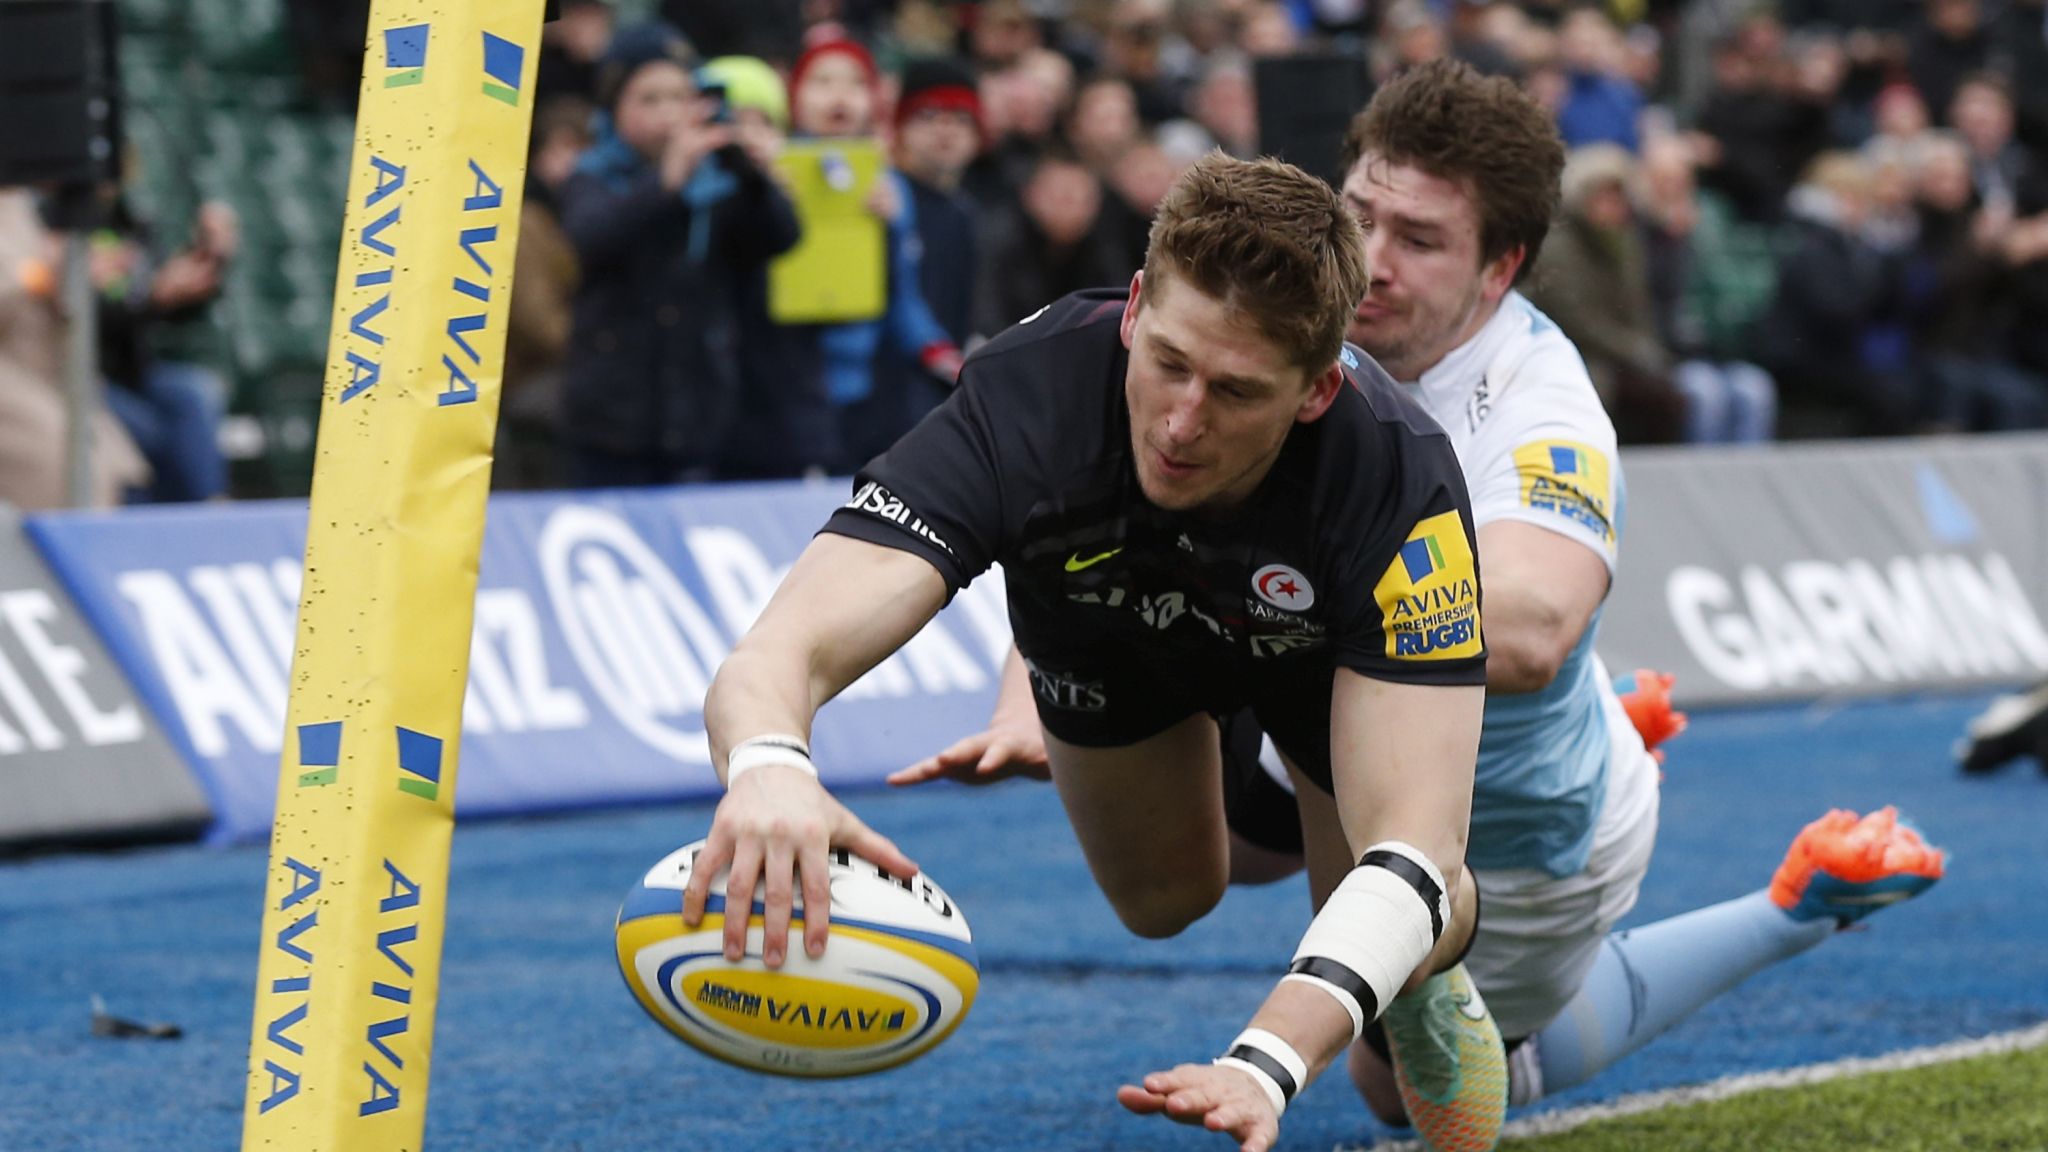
1758,575
1838,569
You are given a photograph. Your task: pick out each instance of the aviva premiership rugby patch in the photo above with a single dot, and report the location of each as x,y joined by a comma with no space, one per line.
1429,598
1570,480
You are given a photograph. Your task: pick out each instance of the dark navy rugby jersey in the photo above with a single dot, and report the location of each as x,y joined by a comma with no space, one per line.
1357,548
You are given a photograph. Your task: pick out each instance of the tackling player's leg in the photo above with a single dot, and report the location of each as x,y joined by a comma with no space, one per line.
1839,869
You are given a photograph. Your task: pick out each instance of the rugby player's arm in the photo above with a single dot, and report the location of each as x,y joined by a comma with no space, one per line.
1401,763
1401,759
845,606
1542,589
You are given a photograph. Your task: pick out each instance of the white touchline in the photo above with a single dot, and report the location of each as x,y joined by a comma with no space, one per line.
1566,1119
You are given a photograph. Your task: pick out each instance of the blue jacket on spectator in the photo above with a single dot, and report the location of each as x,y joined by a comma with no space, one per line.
1600,109
652,376
905,389
848,350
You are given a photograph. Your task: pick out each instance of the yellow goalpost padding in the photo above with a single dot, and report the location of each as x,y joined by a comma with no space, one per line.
356,891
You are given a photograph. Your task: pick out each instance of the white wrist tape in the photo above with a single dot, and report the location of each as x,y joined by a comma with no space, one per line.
1375,929
1271,1061
748,755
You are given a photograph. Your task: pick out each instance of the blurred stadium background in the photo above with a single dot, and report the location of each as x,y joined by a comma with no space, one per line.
1722,107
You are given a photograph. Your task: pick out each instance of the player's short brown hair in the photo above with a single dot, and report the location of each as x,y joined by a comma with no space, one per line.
1480,132
1270,240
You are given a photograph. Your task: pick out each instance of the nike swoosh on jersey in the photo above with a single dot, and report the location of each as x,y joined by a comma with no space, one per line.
1076,564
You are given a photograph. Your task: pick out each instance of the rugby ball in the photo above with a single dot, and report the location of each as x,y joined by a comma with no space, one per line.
897,976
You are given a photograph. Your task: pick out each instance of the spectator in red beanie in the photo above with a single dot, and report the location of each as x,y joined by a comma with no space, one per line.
938,134
833,94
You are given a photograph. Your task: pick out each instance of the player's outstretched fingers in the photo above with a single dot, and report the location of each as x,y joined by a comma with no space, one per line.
992,758
1001,754
925,770
778,892
739,899
816,875
716,854
1254,1133
1244,1128
955,760
1219,1099
917,773
1180,1093
873,847
1142,1101
1189,1105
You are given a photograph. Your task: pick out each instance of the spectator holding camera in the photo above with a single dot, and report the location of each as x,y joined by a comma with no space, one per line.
785,426
670,213
833,94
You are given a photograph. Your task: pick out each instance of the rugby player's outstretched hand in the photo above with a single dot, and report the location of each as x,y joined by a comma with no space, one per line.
776,826
1007,749
1221,1099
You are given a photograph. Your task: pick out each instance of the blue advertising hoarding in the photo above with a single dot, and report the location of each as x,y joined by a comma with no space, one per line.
600,620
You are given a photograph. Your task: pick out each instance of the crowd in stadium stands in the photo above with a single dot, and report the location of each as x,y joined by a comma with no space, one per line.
155,432
1808,218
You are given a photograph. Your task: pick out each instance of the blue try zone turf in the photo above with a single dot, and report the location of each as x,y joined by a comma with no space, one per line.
539,1045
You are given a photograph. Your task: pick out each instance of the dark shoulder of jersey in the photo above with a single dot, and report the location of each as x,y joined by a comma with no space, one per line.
1039,407
1406,598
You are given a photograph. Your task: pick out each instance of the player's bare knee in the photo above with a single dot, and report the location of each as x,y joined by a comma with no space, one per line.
1161,920
1160,912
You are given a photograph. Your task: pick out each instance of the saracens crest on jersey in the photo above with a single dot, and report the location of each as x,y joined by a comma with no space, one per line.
1275,616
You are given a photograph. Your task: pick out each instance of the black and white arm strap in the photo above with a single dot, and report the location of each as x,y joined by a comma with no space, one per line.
1374,930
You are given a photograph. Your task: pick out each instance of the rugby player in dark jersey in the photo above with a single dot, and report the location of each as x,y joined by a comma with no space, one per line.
1202,502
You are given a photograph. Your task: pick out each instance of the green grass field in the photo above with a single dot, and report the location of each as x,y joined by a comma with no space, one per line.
1996,1103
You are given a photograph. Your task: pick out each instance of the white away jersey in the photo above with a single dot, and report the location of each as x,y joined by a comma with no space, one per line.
1535,443
1536,446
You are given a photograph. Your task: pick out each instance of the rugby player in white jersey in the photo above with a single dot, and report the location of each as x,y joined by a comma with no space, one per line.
1455,178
